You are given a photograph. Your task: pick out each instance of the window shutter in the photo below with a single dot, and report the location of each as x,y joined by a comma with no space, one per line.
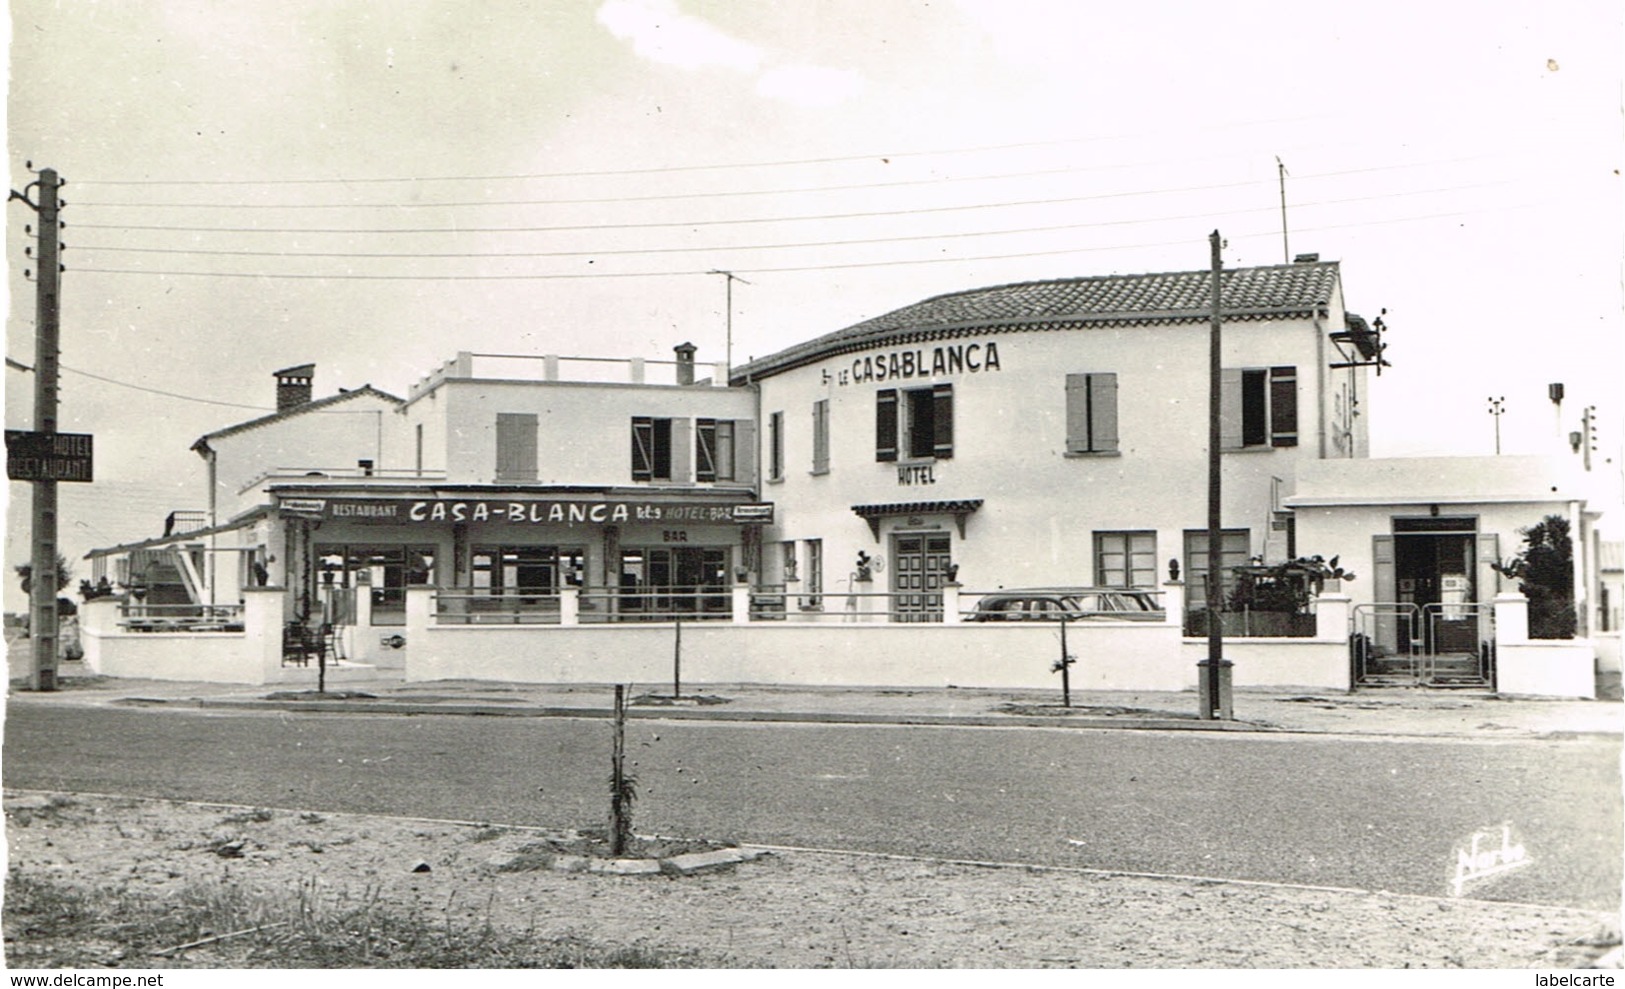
1077,413
820,436
942,419
682,451
1103,412
745,451
662,450
642,449
1284,406
516,446
1230,409
886,424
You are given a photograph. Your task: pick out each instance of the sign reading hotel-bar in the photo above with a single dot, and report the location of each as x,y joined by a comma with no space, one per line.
47,456
538,511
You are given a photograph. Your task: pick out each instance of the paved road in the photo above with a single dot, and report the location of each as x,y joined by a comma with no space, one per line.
1339,811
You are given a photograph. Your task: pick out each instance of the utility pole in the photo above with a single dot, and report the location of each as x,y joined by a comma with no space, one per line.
728,355
42,629
1217,694
1280,175
1497,406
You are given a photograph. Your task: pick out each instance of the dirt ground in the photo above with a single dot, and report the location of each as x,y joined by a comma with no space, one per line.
787,909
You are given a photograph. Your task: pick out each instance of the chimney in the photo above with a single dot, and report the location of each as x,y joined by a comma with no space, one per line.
685,363
293,386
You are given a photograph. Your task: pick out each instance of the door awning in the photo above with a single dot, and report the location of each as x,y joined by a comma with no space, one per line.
958,509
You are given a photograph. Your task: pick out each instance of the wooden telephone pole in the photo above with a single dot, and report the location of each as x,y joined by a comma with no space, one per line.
43,629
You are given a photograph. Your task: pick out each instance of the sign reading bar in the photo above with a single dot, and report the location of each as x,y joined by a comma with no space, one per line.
537,512
47,456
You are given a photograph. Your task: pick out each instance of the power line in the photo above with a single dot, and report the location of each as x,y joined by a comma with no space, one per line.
554,276
452,204
647,225
667,169
848,242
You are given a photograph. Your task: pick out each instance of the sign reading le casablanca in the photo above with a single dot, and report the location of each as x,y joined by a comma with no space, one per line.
558,512
47,456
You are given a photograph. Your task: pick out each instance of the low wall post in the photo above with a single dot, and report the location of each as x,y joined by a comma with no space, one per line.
1173,603
741,604
1332,615
263,617
1511,618
419,616
569,605
950,603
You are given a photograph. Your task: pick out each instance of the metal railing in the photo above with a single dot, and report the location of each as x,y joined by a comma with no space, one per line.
496,606
138,617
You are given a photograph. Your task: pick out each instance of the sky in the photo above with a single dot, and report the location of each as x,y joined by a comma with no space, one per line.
374,187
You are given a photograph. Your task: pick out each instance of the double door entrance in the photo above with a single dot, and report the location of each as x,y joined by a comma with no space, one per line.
1431,622
920,563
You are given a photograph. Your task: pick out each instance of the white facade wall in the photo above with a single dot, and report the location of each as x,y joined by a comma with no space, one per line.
1041,506
583,428
331,438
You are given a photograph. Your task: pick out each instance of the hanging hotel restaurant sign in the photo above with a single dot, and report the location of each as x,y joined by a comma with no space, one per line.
899,365
47,456
533,511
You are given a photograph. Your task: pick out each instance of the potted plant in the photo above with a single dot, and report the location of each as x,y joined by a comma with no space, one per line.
1274,600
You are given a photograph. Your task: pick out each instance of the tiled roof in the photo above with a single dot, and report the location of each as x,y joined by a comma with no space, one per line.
1303,289
320,403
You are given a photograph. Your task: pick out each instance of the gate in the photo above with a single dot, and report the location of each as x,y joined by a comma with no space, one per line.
1434,645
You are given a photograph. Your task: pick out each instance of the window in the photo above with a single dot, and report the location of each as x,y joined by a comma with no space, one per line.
814,583
516,446
714,442
1234,550
1258,407
1126,559
527,572
391,569
1091,413
788,549
651,449
920,421
820,413
775,447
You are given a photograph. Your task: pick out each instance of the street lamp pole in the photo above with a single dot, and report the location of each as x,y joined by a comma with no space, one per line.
1497,406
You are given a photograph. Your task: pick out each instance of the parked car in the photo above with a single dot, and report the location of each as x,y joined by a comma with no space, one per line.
1053,604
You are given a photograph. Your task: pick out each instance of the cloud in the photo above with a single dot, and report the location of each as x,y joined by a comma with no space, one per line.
810,85
658,31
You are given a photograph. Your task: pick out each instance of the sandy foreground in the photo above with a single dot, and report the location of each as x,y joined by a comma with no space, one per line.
786,909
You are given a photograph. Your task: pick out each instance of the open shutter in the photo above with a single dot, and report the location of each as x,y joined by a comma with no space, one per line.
662,450
1489,583
642,448
1103,413
886,424
1230,409
1385,591
745,451
942,421
516,446
1077,413
682,451
1284,406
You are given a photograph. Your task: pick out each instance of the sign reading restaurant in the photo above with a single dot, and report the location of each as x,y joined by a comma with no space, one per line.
535,511
900,365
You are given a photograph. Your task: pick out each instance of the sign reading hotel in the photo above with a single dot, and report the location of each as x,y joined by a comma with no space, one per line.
48,456
901,365
530,512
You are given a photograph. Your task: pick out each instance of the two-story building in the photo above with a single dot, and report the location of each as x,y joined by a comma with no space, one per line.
1055,432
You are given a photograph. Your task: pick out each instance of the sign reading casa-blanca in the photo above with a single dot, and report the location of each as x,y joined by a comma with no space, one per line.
529,511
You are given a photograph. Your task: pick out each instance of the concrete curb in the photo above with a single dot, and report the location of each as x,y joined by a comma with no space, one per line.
713,714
